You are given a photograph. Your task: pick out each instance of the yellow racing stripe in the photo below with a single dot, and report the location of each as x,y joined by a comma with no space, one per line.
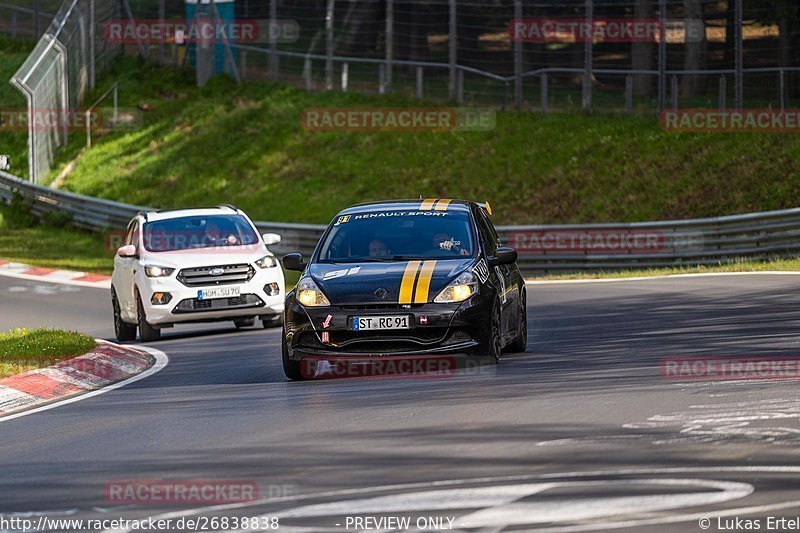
407,285
441,205
424,282
427,204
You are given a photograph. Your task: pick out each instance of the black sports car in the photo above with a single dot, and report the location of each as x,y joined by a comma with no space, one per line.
405,277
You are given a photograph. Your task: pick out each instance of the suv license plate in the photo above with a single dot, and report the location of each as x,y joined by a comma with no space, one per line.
219,292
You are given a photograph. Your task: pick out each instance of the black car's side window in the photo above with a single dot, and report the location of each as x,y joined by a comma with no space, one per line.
488,235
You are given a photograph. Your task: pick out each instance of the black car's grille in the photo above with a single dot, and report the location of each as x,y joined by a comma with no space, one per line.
192,305
225,275
386,342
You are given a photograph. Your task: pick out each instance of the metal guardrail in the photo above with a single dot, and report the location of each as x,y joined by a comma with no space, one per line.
543,249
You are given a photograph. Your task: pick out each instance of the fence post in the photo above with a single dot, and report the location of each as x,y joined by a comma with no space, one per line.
345,76
662,55
36,19
116,101
453,46
389,44
88,129
517,59
629,94
13,23
420,83
723,92
738,56
329,45
92,53
674,92
587,59
782,88
307,73
460,86
162,46
273,42
381,78
543,93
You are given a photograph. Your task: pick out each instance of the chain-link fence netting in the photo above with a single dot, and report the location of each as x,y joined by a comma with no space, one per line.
607,55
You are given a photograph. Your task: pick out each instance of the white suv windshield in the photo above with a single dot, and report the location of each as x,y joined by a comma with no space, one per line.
192,232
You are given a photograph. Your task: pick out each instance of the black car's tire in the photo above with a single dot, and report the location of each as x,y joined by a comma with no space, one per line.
290,368
521,340
491,343
122,330
244,322
271,321
147,333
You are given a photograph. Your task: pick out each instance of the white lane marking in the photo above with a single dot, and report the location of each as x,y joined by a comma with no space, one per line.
773,469
739,511
750,420
161,361
499,506
662,277
91,284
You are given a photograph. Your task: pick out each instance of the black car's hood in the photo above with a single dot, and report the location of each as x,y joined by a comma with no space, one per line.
386,282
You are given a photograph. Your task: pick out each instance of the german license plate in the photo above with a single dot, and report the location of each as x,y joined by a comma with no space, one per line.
368,323
218,292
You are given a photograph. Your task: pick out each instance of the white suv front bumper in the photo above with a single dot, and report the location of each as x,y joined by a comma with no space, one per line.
184,305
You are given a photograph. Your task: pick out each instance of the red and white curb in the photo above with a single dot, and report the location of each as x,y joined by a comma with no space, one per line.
104,367
52,275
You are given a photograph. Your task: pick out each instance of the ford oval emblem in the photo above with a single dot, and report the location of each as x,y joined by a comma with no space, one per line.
216,271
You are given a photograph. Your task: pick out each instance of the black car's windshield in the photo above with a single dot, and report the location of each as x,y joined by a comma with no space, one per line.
397,235
186,233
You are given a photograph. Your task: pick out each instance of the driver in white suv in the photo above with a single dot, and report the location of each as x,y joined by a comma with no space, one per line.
194,265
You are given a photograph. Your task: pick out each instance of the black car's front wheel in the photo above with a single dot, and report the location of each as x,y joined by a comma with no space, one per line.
492,344
290,368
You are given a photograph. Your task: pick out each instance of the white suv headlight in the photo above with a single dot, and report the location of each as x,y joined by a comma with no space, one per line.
459,289
154,271
309,294
268,261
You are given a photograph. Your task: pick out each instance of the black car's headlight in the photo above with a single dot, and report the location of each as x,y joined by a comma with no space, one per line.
459,289
310,295
154,271
268,261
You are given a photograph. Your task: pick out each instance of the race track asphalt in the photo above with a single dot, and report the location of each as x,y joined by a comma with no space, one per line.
581,433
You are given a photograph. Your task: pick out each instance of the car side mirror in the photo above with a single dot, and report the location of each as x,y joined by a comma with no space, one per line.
271,238
504,255
128,250
294,262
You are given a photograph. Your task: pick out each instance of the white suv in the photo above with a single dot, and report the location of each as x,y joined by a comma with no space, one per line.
194,265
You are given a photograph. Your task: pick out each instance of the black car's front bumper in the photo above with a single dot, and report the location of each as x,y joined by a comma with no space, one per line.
435,329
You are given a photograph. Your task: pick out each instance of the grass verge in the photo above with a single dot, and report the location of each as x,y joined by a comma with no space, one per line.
742,265
50,243
28,349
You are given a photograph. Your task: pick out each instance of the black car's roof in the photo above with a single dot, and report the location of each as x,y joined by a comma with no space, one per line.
439,204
